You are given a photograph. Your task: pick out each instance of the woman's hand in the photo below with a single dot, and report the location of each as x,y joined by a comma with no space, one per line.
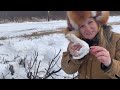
74,48
102,54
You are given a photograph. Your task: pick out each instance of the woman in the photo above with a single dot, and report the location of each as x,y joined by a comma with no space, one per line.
103,60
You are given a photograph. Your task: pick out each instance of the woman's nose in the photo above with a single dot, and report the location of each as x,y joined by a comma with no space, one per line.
88,28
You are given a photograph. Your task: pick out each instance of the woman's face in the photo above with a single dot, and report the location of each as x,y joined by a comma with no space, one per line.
89,28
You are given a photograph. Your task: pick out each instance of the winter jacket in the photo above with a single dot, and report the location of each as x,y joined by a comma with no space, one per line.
89,67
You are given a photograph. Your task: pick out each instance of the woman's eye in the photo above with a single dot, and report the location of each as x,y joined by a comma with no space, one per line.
82,26
90,22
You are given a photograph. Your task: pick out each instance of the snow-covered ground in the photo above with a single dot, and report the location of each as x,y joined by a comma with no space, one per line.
20,57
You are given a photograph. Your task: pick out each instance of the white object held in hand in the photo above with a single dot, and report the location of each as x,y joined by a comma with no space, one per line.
85,47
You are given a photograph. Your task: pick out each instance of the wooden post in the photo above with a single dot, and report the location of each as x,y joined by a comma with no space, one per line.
48,15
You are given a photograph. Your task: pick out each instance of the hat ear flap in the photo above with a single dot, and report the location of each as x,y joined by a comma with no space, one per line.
103,16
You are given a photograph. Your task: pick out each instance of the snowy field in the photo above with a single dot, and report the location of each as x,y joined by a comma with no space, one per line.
25,53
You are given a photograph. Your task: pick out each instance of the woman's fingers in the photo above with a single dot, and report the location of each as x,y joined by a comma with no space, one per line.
102,59
95,49
74,48
77,47
102,53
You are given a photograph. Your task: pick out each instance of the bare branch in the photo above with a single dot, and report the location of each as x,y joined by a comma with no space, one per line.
53,72
51,65
37,69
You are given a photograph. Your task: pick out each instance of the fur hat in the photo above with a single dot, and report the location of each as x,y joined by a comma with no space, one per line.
75,18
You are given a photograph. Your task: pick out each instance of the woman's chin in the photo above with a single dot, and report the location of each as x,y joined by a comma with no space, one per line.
90,37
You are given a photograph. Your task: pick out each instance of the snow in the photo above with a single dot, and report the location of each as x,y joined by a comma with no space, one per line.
15,29
114,19
15,49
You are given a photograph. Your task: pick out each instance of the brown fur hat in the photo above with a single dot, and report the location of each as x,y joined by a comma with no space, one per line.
75,18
